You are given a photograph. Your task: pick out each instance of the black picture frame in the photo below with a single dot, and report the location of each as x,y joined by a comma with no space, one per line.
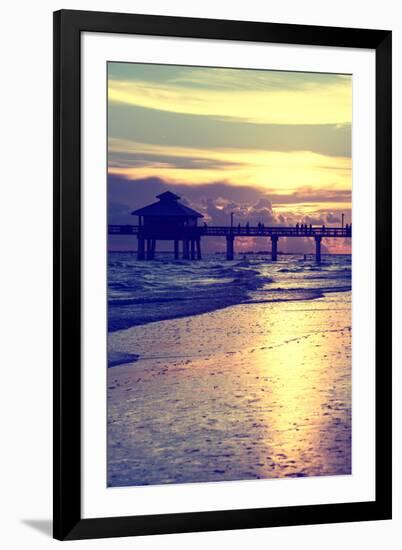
68,27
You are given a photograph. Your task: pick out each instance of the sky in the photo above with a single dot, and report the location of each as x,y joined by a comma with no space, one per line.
270,146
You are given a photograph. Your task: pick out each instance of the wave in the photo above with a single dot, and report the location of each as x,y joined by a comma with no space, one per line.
294,294
311,268
116,358
146,292
181,301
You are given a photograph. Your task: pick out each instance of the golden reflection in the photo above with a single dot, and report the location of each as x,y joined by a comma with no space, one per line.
264,391
307,413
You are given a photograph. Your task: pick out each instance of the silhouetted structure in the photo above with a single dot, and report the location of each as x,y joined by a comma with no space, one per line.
168,219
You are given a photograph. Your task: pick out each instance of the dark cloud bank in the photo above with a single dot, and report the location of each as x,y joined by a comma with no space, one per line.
216,201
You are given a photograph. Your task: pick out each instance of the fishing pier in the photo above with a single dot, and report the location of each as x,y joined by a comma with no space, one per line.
170,220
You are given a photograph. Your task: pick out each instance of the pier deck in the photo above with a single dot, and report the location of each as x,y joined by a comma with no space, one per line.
191,237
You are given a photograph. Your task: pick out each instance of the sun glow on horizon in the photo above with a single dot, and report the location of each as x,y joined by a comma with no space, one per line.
287,135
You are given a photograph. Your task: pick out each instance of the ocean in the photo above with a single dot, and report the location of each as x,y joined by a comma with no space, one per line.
226,371
145,292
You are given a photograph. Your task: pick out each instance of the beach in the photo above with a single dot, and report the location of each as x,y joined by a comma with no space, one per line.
257,389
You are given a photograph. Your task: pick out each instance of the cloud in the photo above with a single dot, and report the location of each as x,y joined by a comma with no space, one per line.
249,79
253,96
180,162
153,126
216,202
264,202
226,198
286,171
221,77
332,218
311,195
159,127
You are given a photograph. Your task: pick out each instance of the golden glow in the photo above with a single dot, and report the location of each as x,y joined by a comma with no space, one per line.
307,373
331,104
285,134
283,171
301,383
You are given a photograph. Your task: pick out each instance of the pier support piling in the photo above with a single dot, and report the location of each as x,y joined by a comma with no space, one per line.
229,247
190,235
149,249
140,248
318,248
274,247
186,250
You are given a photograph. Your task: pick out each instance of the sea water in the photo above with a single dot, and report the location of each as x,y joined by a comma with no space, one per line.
227,371
145,292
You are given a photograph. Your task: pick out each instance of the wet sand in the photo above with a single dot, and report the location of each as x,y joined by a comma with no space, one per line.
251,391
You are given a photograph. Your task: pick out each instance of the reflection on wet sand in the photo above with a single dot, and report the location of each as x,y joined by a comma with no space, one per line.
251,391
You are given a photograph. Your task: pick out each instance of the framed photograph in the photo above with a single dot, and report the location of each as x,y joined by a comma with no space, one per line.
222,274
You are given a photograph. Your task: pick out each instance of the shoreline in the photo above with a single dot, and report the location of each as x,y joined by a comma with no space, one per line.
315,294
207,286
209,299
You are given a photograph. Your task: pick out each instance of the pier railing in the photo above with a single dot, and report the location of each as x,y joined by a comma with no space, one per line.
191,237
123,229
243,231
255,231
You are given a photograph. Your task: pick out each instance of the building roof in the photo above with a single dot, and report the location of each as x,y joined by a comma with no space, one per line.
168,196
168,205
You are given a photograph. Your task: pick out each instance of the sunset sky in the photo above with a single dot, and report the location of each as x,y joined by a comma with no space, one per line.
269,146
